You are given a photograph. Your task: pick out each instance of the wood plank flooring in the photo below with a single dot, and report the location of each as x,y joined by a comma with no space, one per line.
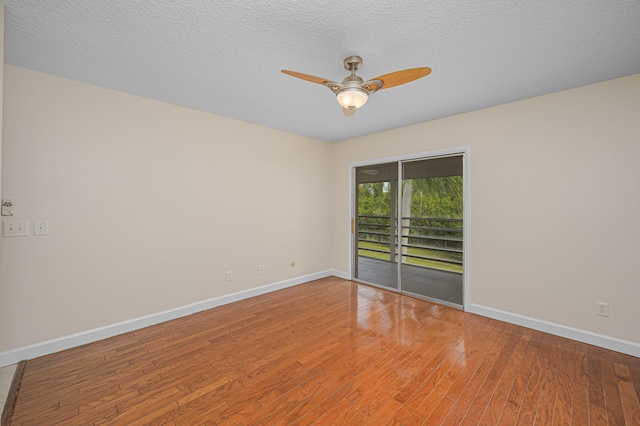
332,352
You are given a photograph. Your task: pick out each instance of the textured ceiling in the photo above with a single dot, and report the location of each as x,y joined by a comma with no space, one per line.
225,57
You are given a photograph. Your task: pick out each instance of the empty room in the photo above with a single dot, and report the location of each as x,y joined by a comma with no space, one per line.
337,213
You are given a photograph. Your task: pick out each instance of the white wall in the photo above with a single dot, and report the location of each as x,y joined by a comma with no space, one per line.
554,202
148,205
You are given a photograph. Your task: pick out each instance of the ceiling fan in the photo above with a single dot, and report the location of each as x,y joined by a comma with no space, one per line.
353,92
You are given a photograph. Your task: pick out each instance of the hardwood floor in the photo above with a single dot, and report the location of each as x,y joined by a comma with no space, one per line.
332,352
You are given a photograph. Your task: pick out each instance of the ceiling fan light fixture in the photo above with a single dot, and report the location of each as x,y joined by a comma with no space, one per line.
352,97
354,92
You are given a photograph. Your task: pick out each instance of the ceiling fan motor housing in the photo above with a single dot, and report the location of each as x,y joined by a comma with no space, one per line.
352,62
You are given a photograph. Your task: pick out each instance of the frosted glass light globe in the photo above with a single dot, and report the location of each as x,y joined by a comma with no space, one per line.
352,97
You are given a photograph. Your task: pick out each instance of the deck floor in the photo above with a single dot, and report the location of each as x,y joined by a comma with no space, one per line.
437,284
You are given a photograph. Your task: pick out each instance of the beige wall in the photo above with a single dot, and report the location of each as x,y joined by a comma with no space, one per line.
555,202
148,205
1,114
1,86
1,106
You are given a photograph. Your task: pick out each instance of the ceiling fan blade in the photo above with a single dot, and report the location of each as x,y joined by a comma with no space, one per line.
306,77
348,112
401,77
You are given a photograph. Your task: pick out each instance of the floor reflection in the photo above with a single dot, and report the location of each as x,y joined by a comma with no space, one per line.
378,312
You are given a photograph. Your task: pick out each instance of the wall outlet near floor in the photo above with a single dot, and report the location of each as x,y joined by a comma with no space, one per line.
228,276
260,269
602,309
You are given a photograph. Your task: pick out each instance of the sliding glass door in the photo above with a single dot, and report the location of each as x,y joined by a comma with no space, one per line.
431,231
375,225
408,231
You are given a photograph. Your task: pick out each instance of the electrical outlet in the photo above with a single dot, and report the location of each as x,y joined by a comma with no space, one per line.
260,269
602,309
228,276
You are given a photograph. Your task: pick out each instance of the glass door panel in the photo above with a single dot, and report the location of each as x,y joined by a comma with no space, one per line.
431,245
375,225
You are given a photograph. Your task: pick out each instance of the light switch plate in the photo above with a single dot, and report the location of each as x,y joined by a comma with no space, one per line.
15,228
40,227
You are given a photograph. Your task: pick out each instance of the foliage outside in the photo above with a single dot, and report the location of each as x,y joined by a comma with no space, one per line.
435,217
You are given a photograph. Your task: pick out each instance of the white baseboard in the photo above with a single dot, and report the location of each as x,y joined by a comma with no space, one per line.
90,336
607,342
340,274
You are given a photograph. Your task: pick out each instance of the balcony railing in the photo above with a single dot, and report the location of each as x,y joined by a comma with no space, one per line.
432,242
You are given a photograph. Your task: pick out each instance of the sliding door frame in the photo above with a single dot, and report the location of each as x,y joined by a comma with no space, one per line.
465,151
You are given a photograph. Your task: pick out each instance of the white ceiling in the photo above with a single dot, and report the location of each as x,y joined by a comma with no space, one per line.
225,57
